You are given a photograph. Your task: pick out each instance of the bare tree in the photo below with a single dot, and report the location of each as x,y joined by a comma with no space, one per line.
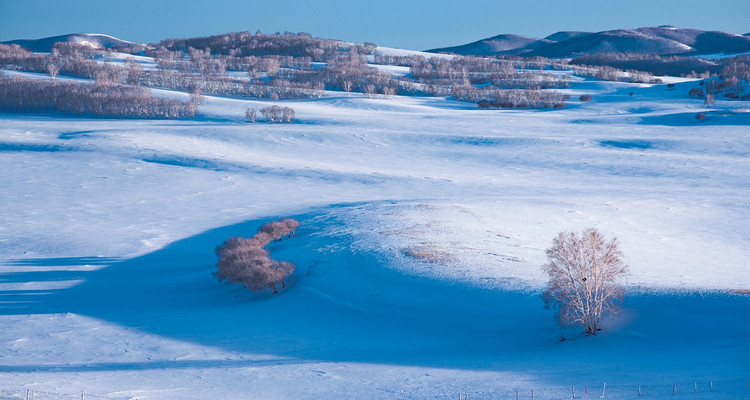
370,90
250,114
53,70
584,273
287,114
272,113
133,76
196,95
708,99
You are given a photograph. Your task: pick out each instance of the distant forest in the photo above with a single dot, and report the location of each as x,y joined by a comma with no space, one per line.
299,66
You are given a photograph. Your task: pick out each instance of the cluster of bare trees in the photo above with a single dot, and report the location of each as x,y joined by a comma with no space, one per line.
38,95
272,114
585,274
607,73
650,63
492,83
69,61
525,80
242,44
500,98
247,262
222,85
297,66
732,82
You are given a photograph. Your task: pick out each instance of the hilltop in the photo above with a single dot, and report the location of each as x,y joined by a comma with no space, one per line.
662,41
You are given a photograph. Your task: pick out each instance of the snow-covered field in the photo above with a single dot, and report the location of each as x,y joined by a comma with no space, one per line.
107,232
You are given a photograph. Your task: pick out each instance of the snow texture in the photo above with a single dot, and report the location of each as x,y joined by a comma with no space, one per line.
424,224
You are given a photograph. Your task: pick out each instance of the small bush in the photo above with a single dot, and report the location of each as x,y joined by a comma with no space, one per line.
696,93
585,97
246,261
700,116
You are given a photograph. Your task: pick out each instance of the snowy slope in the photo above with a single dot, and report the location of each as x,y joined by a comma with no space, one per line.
94,40
108,228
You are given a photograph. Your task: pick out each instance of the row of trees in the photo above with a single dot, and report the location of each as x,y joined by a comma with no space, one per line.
247,262
652,64
38,95
243,44
272,114
607,73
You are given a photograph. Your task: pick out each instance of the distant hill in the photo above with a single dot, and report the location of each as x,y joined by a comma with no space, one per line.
565,35
663,40
500,44
45,45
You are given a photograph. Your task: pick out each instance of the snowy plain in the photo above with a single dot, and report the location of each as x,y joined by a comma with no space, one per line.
107,232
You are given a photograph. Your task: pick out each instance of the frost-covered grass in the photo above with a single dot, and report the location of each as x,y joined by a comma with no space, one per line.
424,224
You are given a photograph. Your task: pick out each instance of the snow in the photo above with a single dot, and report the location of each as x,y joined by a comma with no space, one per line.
107,231
391,51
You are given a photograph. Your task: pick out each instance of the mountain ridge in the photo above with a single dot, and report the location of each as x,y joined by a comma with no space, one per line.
45,45
665,40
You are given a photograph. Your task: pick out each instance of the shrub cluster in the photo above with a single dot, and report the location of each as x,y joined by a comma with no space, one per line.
38,95
246,261
272,113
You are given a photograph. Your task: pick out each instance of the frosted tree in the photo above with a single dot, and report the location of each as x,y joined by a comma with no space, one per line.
250,114
272,113
287,114
584,278
53,70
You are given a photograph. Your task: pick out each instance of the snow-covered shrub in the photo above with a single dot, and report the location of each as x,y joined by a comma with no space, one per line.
584,278
246,261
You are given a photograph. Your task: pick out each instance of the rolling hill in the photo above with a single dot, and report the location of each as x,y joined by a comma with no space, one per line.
44,45
663,41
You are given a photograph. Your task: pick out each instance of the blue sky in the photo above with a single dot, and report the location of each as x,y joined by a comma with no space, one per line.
416,24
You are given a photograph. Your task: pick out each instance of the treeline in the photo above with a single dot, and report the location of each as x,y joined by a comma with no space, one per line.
243,44
732,83
607,73
121,101
75,60
276,89
67,58
514,98
734,80
652,64
298,66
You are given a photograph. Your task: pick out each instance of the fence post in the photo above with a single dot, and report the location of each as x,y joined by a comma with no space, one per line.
573,389
604,388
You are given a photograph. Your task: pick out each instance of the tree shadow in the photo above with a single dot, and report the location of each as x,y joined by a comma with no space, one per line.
342,305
